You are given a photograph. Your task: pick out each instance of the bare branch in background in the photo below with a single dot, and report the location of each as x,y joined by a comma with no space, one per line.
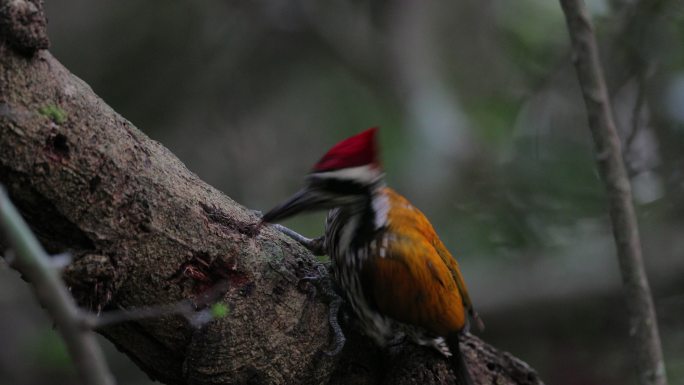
642,317
31,260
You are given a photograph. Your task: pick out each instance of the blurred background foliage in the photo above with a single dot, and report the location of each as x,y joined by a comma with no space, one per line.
483,128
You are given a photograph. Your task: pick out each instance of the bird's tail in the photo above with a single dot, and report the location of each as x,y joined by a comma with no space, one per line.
458,362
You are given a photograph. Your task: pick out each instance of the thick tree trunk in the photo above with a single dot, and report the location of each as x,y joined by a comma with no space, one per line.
144,230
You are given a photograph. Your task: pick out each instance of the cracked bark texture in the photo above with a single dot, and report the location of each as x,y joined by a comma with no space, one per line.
145,230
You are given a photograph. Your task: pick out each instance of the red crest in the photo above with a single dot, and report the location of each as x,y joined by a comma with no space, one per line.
358,150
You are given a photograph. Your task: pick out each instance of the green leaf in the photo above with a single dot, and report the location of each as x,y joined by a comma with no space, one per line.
219,310
54,113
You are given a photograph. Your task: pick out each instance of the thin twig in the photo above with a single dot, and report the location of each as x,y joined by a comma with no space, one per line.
642,318
184,308
198,312
31,260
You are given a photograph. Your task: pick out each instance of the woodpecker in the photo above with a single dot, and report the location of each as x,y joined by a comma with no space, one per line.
386,258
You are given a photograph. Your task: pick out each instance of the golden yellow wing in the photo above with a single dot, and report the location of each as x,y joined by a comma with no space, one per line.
414,279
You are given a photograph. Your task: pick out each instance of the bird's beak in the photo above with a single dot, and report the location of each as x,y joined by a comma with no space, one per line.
305,199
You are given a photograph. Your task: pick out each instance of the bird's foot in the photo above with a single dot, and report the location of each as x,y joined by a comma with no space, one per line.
315,245
338,334
321,282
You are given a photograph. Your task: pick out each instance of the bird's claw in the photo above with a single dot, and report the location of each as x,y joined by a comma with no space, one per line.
321,281
338,334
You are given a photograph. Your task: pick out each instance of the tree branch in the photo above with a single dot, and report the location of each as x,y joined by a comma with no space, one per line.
145,230
31,261
642,318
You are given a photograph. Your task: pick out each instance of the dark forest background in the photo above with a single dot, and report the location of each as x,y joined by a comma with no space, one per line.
482,127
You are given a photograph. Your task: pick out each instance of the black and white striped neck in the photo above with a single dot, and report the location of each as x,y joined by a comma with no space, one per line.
355,225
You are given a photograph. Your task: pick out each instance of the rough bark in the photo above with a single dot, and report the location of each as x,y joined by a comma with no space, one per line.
145,230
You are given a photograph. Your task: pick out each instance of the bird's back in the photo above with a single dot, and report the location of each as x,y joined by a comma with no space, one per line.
400,271
417,281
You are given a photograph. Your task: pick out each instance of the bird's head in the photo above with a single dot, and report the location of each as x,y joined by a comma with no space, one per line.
345,175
